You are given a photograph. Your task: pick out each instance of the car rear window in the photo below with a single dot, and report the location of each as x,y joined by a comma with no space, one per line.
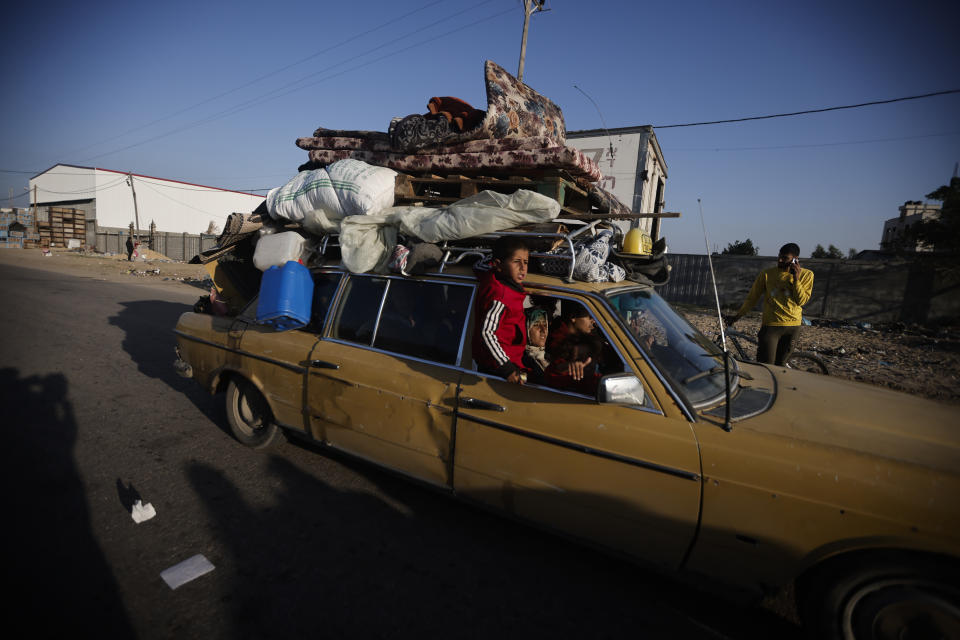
324,289
357,316
423,319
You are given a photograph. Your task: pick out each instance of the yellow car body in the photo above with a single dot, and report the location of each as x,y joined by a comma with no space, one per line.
815,475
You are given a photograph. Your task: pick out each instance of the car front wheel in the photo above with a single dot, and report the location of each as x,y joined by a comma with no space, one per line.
248,413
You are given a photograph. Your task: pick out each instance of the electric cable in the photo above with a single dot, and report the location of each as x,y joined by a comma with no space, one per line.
260,78
266,98
807,111
163,195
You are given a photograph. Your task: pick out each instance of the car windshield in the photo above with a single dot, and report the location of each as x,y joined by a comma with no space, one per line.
690,359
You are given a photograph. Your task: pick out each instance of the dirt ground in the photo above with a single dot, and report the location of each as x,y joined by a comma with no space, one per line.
916,360
912,359
152,266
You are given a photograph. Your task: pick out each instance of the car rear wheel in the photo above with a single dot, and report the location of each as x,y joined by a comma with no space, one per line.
891,600
249,415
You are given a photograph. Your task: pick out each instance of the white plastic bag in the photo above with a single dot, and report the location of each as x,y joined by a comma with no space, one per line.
367,242
485,212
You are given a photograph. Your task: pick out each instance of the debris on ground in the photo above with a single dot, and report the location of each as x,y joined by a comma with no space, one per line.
918,360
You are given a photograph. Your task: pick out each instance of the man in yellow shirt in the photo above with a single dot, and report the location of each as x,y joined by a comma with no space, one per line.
785,289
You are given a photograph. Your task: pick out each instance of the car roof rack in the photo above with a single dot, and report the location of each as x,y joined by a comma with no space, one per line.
455,251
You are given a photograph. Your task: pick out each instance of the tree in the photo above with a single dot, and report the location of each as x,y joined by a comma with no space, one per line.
832,252
739,248
851,253
942,233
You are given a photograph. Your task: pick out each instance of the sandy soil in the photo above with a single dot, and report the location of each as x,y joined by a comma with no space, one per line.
913,359
152,266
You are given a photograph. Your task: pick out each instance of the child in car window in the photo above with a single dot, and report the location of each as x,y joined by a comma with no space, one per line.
500,332
573,351
535,353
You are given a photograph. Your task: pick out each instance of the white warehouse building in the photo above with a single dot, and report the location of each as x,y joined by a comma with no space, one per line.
106,197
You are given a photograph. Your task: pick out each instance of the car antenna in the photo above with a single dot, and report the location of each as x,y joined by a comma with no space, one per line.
727,426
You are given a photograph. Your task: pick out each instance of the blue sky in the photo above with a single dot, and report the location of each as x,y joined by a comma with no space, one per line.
216,93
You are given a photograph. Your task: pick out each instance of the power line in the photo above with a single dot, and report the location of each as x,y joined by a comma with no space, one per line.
162,184
260,78
90,190
807,111
267,98
817,144
163,195
273,95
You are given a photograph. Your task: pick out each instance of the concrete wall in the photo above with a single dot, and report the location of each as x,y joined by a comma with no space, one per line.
851,290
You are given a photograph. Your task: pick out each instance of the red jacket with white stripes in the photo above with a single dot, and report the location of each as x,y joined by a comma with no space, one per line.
500,330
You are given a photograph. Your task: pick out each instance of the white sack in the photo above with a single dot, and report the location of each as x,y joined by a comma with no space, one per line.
366,242
319,223
485,212
308,191
276,249
362,189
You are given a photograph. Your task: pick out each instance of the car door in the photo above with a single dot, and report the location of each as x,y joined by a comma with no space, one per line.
383,380
276,361
626,477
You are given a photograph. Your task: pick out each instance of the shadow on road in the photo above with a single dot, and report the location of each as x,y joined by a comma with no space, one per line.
324,561
58,581
149,341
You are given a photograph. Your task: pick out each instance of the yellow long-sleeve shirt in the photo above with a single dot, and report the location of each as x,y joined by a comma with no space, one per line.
783,299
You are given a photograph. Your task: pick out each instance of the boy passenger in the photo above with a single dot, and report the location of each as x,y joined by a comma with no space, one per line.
500,331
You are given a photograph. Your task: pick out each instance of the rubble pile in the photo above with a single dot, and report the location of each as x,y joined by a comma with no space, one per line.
433,189
917,360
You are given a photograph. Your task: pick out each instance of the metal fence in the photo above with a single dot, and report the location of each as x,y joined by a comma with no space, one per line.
176,246
894,290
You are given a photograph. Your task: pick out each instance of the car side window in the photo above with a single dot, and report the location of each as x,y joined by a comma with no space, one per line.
324,289
357,313
423,319
562,332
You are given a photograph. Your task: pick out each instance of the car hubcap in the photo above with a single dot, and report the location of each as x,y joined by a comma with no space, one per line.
902,610
250,418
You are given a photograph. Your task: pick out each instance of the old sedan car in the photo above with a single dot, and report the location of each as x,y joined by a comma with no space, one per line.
845,491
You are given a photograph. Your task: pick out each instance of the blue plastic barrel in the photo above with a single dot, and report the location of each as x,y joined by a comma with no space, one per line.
286,295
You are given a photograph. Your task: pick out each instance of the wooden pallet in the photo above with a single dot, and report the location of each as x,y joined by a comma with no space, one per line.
438,190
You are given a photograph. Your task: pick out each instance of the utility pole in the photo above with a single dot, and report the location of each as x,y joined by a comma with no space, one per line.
529,7
136,214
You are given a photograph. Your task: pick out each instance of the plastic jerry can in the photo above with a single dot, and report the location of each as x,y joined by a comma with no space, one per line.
276,249
286,296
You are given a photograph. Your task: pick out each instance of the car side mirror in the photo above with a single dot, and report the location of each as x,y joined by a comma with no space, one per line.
621,388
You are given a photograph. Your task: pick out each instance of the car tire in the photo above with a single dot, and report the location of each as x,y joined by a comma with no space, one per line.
883,597
249,416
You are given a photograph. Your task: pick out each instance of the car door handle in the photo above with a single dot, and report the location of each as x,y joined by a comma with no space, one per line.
322,364
474,403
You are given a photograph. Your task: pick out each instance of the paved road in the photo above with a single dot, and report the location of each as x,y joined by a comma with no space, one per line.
304,543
